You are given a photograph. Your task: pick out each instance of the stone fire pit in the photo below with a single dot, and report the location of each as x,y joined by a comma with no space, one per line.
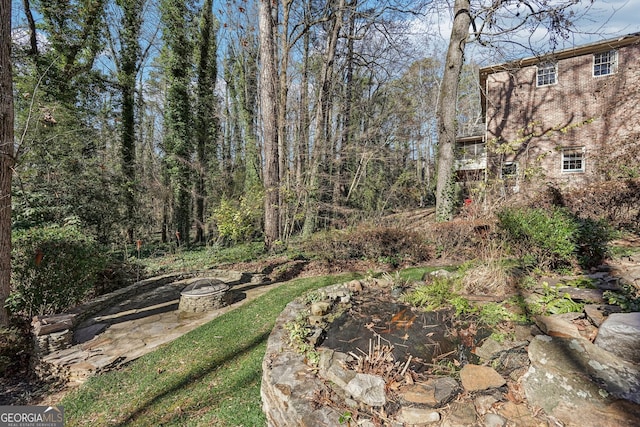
204,295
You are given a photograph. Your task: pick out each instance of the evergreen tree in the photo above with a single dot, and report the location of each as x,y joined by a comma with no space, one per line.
178,122
206,120
128,69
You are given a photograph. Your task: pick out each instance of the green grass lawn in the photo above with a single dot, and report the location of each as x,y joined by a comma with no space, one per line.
208,377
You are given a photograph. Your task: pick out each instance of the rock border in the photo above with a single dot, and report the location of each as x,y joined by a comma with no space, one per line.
298,393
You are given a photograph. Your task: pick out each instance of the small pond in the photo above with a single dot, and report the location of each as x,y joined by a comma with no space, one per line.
427,337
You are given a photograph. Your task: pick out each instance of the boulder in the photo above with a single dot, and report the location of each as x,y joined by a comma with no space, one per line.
598,313
620,334
433,393
571,375
557,326
368,389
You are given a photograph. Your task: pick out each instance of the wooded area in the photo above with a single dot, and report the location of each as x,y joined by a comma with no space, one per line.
145,120
220,122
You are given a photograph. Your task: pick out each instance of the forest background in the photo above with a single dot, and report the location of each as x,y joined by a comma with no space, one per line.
140,121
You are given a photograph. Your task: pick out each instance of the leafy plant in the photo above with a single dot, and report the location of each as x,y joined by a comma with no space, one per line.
493,313
582,283
461,305
552,302
554,238
438,294
628,299
299,330
345,418
53,268
237,222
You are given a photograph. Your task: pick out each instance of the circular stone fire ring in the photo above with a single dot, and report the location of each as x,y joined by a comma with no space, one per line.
204,295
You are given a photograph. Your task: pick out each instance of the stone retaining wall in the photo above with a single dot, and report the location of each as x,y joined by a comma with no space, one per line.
286,394
55,333
512,381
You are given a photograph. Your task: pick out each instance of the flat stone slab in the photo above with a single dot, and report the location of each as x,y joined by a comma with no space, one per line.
431,394
85,334
476,378
592,296
137,324
557,326
570,376
597,313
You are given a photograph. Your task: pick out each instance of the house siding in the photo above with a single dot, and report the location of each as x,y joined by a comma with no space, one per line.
531,125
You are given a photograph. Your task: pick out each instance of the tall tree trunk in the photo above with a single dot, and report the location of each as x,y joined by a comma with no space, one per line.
33,40
206,123
283,92
346,154
269,107
129,57
302,150
323,105
445,186
178,117
6,156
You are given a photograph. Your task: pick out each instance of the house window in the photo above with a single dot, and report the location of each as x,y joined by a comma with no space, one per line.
509,170
573,160
509,175
547,73
605,63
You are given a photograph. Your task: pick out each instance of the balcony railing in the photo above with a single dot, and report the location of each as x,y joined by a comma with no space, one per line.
471,156
467,130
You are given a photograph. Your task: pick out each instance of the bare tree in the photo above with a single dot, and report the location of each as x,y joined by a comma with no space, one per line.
323,106
6,156
269,108
447,109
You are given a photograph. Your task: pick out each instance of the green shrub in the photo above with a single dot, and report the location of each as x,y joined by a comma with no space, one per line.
593,239
554,238
14,345
53,268
237,222
549,237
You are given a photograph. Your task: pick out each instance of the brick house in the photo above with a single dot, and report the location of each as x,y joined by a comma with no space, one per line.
569,118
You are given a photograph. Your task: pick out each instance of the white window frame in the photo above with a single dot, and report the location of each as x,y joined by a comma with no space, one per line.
544,72
509,176
609,64
571,156
511,182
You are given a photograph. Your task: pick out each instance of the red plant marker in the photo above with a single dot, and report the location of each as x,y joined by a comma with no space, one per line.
38,257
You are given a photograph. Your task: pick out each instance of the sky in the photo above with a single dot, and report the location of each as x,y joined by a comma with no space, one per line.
605,19
616,17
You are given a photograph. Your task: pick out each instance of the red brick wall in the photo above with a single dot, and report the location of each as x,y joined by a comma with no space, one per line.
601,114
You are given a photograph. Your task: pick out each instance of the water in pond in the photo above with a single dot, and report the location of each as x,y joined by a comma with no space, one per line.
423,335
